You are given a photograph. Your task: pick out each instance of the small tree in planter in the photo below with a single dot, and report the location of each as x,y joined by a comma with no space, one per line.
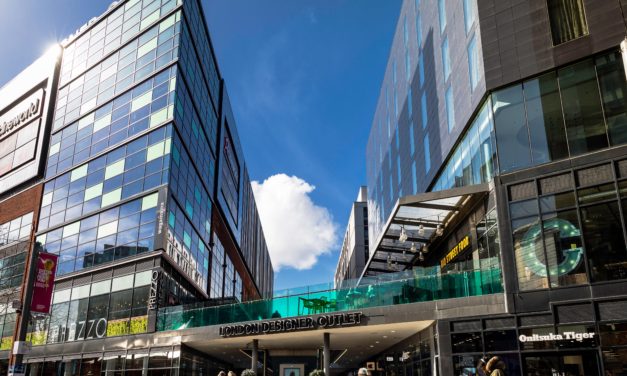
316,372
248,372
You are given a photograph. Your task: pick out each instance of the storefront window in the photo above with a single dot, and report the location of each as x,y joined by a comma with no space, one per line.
90,367
577,334
530,258
563,364
614,334
501,340
564,248
614,361
605,246
467,342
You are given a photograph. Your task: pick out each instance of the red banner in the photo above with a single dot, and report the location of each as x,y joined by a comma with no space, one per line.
44,282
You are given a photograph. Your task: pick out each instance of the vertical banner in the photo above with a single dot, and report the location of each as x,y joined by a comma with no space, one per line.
44,282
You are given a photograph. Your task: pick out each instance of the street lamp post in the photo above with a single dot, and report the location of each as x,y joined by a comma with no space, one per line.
20,346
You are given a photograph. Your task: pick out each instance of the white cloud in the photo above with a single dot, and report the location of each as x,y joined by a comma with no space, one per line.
297,230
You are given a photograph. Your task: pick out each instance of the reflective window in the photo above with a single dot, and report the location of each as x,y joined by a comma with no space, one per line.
423,108
409,105
130,65
446,60
470,14
450,108
16,229
568,20
114,234
427,153
529,254
473,61
466,342
545,121
511,131
442,14
564,248
582,108
126,171
613,93
605,245
418,29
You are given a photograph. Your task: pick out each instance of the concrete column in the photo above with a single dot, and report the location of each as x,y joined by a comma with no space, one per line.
255,357
326,354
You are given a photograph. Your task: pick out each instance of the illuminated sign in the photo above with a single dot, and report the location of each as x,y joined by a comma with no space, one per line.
460,247
566,336
21,114
339,320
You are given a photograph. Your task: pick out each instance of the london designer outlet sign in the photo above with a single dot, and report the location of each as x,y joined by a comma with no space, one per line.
21,114
295,324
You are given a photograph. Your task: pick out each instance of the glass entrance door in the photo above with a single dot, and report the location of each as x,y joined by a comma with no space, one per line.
585,363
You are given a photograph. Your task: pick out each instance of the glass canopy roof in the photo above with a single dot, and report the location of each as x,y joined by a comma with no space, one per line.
414,223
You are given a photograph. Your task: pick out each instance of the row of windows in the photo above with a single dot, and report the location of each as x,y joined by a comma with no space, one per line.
186,247
556,235
198,32
193,135
146,106
12,270
188,189
19,147
111,33
133,63
128,170
572,111
196,83
16,229
114,234
7,322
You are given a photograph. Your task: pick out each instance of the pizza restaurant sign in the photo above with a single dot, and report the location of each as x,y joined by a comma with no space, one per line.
21,114
339,320
566,336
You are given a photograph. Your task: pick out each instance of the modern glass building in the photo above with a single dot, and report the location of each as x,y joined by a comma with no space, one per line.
498,141
354,251
140,188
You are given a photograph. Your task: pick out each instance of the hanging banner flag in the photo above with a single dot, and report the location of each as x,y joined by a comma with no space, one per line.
44,282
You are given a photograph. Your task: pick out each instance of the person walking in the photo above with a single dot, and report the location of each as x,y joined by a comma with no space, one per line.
362,372
495,367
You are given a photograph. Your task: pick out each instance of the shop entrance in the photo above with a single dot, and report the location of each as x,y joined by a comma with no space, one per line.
582,363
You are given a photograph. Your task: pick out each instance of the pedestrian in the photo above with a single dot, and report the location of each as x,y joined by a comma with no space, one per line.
222,373
362,372
231,373
481,366
495,367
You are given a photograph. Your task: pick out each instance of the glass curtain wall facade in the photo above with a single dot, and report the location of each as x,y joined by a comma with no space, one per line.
131,176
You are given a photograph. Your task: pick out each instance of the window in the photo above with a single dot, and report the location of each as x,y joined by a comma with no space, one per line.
395,104
582,108
544,118
418,30
427,153
511,132
413,178
613,93
442,14
405,32
423,108
568,20
604,241
470,14
407,66
450,109
409,106
412,145
446,60
473,62
421,69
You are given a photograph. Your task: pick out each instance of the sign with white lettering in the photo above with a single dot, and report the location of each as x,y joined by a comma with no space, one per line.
21,114
566,336
338,320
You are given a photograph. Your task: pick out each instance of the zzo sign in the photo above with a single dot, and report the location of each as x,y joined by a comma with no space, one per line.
80,330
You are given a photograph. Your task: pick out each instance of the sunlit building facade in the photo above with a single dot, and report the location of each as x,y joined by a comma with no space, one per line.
140,188
354,252
526,103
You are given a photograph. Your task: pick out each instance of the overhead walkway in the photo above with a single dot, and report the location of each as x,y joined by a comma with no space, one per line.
391,289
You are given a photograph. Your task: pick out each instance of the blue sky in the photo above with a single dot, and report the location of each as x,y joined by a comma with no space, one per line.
303,77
